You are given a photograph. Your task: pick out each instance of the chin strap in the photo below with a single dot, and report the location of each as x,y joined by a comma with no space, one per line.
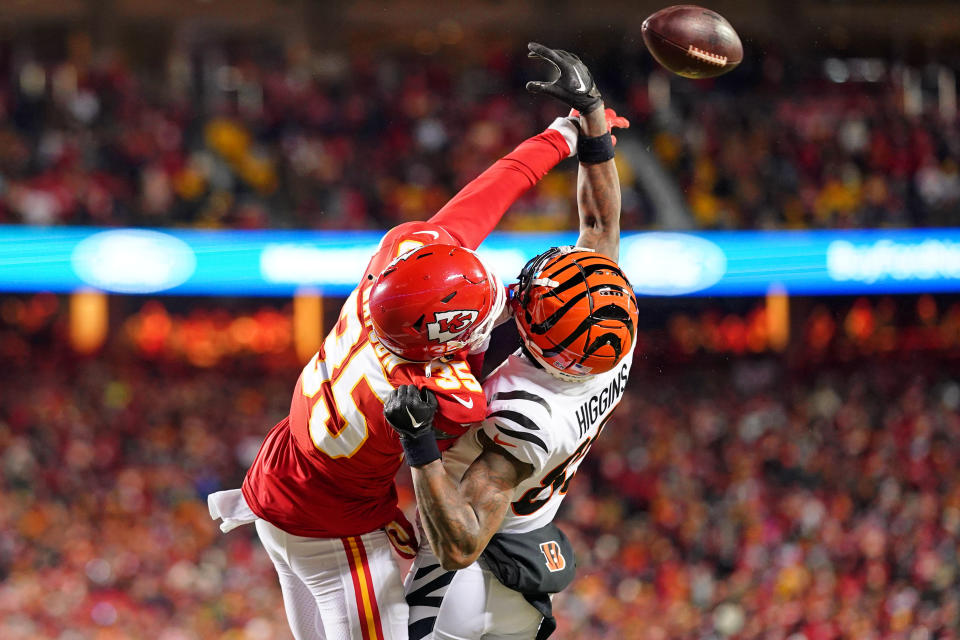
540,363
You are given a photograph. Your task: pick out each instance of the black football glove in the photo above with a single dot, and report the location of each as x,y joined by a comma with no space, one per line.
410,412
574,85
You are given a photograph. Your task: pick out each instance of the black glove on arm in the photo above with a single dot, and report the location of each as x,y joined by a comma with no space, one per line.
410,412
574,85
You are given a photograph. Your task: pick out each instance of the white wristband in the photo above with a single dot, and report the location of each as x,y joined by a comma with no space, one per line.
569,131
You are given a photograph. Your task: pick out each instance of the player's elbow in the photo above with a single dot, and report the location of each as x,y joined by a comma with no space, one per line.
454,563
454,559
605,241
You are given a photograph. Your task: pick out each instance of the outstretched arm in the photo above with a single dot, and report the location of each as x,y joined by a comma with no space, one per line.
598,194
598,188
459,520
473,213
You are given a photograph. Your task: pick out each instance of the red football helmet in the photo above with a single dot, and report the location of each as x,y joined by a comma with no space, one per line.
403,238
576,312
434,301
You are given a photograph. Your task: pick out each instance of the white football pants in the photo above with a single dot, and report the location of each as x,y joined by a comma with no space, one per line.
338,588
469,604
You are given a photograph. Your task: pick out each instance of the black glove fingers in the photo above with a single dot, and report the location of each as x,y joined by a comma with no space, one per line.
556,91
409,411
537,49
403,395
429,398
547,88
537,87
552,63
396,396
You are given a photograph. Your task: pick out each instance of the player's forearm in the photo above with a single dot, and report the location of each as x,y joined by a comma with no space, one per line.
598,195
450,522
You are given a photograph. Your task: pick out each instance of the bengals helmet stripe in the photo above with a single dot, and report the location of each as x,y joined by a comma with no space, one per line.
576,311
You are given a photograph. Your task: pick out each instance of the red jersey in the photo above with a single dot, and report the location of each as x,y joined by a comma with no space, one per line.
327,469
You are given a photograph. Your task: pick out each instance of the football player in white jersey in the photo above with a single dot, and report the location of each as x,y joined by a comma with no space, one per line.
492,555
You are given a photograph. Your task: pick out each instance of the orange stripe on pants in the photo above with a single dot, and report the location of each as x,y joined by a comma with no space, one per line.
363,589
373,594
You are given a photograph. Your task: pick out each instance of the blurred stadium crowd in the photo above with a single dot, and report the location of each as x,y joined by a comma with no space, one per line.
741,499
363,141
810,497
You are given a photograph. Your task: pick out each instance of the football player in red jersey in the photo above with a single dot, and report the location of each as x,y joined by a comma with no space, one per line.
321,488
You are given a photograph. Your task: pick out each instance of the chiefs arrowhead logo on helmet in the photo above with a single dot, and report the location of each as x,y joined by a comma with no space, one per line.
434,301
448,325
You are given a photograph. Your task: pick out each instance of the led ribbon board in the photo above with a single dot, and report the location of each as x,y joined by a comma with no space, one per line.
278,263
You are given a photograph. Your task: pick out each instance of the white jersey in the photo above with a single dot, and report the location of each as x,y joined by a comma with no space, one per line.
546,422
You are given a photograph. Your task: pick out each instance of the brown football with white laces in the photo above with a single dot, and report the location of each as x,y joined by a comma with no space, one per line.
692,42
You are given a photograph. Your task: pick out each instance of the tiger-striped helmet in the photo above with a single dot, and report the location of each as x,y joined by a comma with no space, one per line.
576,312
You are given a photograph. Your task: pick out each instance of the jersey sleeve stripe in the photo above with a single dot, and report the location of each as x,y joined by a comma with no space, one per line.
517,417
523,435
522,395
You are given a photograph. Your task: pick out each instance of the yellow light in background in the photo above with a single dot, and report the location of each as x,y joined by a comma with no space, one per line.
88,320
778,317
307,323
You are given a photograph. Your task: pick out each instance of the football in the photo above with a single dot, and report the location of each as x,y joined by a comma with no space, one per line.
692,42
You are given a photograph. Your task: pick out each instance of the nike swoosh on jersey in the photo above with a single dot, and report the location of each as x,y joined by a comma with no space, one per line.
413,421
467,403
523,435
503,443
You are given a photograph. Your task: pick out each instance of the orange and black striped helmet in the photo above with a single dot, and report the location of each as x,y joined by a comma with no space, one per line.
576,312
